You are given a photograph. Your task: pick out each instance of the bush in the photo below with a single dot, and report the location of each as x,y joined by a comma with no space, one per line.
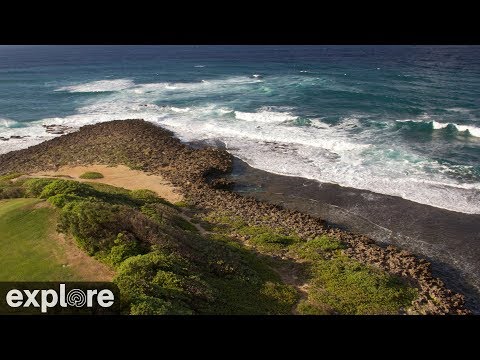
182,203
144,195
66,187
164,277
11,192
94,224
8,177
273,239
125,247
267,238
342,285
34,187
149,305
60,200
91,175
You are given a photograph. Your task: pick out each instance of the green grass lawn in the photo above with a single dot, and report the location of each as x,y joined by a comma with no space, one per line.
29,250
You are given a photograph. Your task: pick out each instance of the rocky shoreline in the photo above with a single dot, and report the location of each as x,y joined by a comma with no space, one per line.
200,173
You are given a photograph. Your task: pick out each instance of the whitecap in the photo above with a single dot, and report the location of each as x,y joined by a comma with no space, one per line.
437,126
265,116
8,123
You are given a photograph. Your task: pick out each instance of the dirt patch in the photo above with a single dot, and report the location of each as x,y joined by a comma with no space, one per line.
41,204
120,176
84,265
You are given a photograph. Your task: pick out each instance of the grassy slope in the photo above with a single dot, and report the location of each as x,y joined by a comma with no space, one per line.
166,266
29,250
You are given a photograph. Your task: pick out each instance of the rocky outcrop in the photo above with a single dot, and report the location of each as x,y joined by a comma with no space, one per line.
57,129
200,173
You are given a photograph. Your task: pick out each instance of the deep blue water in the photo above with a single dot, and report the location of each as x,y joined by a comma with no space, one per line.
398,120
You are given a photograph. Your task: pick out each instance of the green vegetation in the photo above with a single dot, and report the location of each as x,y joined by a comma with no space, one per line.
28,248
182,204
337,283
91,175
344,286
165,265
10,189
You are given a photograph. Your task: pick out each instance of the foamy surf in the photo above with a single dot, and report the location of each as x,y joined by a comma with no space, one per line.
273,138
99,86
435,125
265,116
8,123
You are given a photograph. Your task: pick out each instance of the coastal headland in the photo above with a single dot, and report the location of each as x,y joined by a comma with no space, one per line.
199,177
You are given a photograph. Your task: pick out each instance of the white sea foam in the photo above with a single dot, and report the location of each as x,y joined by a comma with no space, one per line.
99,86
410,120
265,116
266,139
324,153
438,126
180,109
472,130
7,122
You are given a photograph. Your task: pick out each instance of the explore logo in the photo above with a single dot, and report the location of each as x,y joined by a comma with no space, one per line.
59,298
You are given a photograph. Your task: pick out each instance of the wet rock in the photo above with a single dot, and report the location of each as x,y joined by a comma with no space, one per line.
57,129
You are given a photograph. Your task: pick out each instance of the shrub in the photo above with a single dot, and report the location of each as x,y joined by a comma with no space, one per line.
125,247
271,238
267,238
60,200
149,305
342,285
7,177
91,175
34,187
160,276
11,192
144,195
182,203
94,224
66,187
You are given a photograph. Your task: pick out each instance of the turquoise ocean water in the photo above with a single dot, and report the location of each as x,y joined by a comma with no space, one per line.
396,120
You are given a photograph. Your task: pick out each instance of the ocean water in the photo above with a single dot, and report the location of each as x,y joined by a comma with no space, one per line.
396,120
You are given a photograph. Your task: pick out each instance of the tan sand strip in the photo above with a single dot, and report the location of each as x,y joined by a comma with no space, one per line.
120,176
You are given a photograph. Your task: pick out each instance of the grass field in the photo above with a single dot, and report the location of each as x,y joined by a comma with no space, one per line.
30,249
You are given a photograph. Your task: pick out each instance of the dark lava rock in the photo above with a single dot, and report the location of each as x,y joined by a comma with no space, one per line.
57,129
199,173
